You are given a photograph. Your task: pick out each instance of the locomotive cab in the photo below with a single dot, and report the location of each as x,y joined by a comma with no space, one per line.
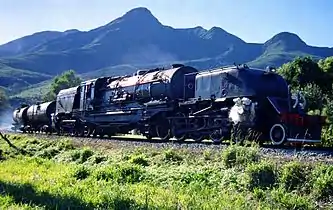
293,123
254,99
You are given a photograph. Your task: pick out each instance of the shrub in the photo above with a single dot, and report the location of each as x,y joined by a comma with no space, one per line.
288,200
200,177
139,160
85,154
259,194
1,155
238,155
65,145
75,155
261,175
98,158
129,174
81,156
293,176
48,153
105,173
323,182
171,155
81,172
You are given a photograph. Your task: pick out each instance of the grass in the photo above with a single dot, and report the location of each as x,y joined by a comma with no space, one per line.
62,174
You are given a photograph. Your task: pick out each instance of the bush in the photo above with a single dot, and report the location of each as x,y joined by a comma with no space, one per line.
129,174
1,155
97,158
323,182
293,176
85,154
48,153
238,155
171,155
75,155
65,145
105,173
288,200
81,172
200,177
81,156
261,175
139,160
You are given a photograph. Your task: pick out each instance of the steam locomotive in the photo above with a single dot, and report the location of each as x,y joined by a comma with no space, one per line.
179,102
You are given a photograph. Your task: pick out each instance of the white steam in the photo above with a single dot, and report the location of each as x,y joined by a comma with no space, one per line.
242,111
148,55
6,121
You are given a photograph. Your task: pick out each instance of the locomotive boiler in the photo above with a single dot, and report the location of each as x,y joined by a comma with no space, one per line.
107,105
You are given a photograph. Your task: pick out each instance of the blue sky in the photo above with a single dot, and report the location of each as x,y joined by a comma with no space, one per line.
251,20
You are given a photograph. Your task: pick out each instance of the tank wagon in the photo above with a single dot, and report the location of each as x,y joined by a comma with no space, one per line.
183,103
37,117
20,118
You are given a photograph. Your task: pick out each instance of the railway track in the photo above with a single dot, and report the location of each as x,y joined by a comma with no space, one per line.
305,152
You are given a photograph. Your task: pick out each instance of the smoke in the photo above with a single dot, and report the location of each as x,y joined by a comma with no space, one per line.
148,55
6,120
243,110
235,114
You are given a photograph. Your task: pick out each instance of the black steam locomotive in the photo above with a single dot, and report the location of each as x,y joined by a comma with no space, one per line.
179,102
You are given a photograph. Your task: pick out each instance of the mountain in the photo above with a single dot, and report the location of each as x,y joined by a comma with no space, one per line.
30,43
138,40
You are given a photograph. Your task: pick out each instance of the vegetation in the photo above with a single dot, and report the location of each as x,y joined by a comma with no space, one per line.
67,79
3,100
314,80
60,173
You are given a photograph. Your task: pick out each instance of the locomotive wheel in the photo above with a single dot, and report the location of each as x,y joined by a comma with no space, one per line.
175,126
163,132
216,136
277,134
198,137
86,131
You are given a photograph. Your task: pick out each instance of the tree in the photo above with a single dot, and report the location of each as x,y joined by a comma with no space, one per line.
311,93
66,80
313,79
326,65
302,71
327,78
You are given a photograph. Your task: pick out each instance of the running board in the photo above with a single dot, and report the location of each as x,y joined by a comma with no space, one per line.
303,140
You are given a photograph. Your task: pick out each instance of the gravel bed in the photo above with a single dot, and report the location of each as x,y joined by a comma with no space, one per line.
305,154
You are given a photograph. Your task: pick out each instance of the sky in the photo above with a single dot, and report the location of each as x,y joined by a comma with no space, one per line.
253,21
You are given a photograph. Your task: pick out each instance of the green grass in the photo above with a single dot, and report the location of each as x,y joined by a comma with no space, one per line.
59,174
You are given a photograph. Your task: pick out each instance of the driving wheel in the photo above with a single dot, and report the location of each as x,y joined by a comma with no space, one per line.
277,134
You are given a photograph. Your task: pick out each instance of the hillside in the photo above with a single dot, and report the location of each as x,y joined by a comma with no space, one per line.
14,80
138,40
